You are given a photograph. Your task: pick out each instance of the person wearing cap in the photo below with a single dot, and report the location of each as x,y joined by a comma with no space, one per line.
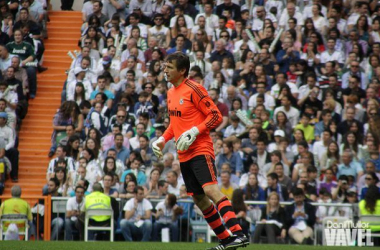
235,128
278,134
80,74
9,135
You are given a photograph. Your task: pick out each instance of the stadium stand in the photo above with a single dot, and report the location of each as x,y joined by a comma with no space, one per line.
35,132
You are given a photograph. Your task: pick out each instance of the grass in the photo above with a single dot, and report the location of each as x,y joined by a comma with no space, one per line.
66,245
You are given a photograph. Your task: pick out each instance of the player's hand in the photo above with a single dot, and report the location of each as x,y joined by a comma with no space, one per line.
187,138
158,145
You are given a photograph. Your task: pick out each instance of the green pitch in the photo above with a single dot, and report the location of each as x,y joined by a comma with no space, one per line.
62,245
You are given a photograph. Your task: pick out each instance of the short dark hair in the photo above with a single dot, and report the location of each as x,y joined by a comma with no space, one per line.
55,180
145,137
182,61
297,192
273,176
161,183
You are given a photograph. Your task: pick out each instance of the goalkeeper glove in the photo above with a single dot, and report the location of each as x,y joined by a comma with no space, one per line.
187,138
157,145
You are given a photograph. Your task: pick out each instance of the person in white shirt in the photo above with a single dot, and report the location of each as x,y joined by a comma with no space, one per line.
269,102
331,54
281,79
291,112
74,206
159,31
144,5
200,61
290,12
166,217
79,77
137,217
178,10
134,20
212,20
245,41
261,15
307,11
174,184
201,24
320,147
235,128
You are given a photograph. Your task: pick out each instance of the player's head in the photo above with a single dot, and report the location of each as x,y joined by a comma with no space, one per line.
180,61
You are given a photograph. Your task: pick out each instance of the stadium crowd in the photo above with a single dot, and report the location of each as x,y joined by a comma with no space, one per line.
22,31
297,83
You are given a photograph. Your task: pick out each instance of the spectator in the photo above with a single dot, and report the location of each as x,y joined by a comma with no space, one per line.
137,210
272,212
8,134
340,192
122,153
57,222
226,186
328,183
252,190
173,184
371,179
74,207
253,169
135,169
349,166
275,186
300,218
167,216
230,157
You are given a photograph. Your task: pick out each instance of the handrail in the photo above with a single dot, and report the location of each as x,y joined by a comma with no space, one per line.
331,204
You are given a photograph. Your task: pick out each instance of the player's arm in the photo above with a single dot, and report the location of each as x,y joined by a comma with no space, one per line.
169,133
204,103
201,100
159,144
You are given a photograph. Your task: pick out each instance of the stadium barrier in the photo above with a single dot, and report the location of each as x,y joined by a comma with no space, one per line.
48,204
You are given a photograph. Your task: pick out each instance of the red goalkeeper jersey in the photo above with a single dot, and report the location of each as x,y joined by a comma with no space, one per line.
189,105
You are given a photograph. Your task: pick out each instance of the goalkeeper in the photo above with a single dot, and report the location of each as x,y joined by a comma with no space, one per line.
192,114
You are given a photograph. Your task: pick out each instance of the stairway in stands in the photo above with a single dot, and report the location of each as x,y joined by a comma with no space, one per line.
34,145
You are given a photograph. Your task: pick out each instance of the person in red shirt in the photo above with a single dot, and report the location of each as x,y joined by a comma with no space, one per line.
192,115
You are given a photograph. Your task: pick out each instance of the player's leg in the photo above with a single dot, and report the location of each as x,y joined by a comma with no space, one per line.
211,215
204,171
224,207
194,189
208,181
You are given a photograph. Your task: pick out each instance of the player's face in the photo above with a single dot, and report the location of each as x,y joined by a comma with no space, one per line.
171,72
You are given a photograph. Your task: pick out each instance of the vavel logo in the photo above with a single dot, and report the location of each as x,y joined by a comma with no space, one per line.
347,234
